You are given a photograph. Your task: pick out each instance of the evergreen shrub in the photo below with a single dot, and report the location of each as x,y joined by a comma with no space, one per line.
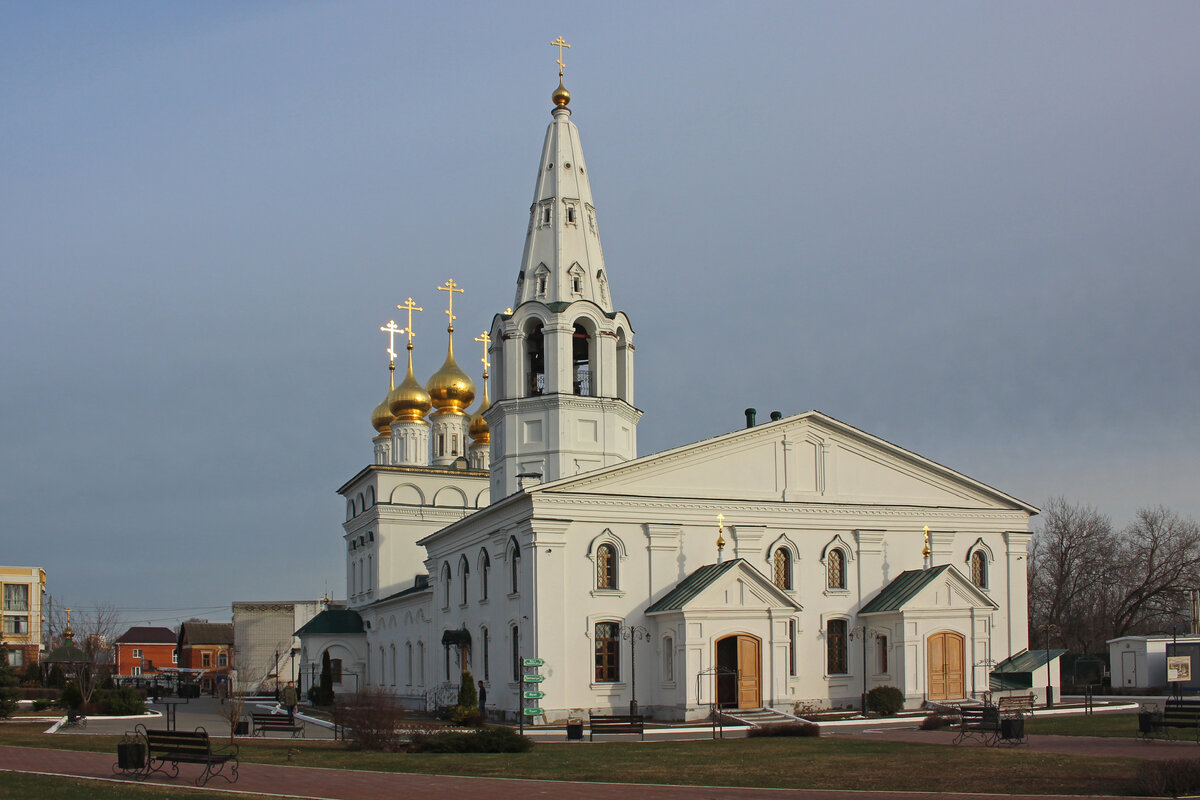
885,700
787,729
489,739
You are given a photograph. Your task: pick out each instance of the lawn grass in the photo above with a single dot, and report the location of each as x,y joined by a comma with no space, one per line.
1115,724
22,786
818,763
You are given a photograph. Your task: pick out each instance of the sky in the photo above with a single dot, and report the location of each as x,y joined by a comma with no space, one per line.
968,228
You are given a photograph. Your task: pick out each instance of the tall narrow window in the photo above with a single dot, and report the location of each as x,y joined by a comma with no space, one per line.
515,561
487,656
581,357
464,577
835,569
881,658
516,653
485,570
979,569
606,567
781,563
536,356
608,651
668,659
446,585
408,672
835,641
335,667
393,652
792,647
420,663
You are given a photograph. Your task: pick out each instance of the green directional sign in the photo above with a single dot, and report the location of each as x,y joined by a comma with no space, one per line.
532,662
533,712
533,678
533,695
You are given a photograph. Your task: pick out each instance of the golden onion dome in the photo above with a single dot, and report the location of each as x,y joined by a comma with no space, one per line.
449,388
381,417
561,96
480,432
409,402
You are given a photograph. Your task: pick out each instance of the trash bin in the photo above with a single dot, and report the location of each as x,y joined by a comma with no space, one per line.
131,755
574,730
1013,728
243,728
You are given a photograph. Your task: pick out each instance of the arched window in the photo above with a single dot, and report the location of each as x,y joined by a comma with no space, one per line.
668,645
608,652
781,564
581,360
420,663
485,570
979,575
536,359
446,585
464,570
835,643
835,569
487,656
514,560
393,649
516,653
408,655
606,567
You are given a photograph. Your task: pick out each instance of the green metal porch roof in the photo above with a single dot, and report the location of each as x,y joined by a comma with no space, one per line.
691,586
905,587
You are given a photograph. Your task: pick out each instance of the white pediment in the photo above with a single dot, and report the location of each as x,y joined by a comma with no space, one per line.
741,588
806,458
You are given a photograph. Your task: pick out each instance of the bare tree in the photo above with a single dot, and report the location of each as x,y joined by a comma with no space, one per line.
237,689
1092,584
93,631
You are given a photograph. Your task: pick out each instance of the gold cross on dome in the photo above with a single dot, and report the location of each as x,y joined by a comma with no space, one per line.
391,329
483,337
450,287
409,306
560,44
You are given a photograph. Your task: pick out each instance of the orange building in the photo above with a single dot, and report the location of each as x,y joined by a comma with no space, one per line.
142,652
207,647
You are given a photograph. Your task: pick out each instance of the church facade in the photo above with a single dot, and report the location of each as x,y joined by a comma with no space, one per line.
792,564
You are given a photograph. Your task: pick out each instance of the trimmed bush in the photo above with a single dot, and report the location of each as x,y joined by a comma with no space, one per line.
490,739
72,698
885,700
466,712
123,702
934,722
787,729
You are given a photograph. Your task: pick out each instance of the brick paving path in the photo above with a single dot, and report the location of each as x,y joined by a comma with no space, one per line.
331,784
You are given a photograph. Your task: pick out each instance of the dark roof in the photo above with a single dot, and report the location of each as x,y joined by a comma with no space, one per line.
331,621
206,633
66,653
905,587
1027,661
691,586
147,635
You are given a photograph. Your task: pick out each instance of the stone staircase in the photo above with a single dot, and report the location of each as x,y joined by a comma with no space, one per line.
759,717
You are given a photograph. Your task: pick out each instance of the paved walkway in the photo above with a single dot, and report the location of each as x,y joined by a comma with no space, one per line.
330,784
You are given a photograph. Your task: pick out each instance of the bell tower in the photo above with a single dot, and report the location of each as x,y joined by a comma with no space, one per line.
563,356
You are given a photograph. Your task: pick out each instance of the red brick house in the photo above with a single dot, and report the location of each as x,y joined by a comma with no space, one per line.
207,647
142,651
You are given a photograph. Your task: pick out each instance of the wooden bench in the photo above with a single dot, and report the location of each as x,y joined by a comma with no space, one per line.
616,723
187,747
261,723
1016,705
1176,713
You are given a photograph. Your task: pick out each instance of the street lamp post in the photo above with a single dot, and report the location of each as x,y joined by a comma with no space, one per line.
633,633
1050,626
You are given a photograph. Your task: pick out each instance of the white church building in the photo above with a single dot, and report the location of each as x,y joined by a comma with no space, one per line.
791,564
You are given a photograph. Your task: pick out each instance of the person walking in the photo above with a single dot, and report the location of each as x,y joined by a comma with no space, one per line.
482,702
289,700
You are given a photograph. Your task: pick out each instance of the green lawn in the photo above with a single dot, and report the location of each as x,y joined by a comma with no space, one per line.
829,763
16,786
1107,724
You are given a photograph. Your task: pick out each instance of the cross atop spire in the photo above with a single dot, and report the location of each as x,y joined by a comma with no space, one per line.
560,44
450,287
409,306
486,339
391,329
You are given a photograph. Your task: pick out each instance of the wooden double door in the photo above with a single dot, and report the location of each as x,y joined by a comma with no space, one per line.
947,675
739,677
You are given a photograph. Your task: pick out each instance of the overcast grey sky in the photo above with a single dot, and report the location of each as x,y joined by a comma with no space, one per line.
969,228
